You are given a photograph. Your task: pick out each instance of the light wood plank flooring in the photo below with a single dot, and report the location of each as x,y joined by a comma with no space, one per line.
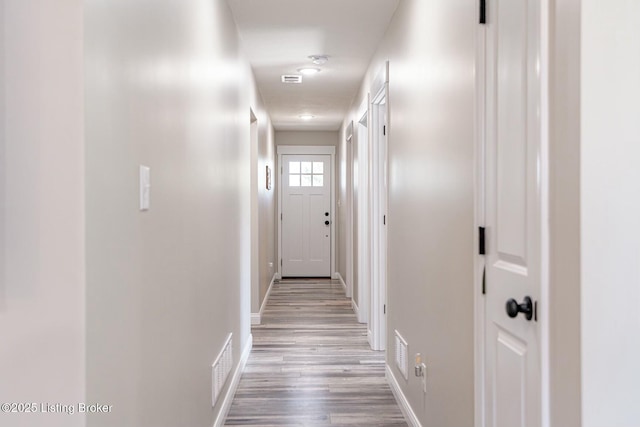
311,364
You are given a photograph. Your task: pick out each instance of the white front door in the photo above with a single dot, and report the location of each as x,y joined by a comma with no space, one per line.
306,216
512,389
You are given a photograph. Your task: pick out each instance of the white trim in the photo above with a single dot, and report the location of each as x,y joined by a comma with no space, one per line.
233,386
480,221
256,318
254,217
409,416
306,149
349,140
312,150
545,370
378,199
381,78
338,276
364,271
355,308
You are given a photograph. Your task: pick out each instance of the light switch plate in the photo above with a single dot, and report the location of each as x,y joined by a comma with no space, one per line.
145,188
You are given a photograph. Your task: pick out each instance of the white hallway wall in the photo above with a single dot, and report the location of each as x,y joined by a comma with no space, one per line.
167,87
431,49
93,89
610,212
42,283
267,251
595,280
564,147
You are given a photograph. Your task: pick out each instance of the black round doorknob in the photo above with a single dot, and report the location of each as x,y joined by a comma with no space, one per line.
326,214
526,308
326,223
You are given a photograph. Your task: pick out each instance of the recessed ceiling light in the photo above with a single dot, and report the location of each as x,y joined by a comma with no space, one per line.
319,59
306,116
307,71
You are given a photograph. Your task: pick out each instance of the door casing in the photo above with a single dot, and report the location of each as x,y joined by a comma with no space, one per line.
307,150
378,196
349,280
361,133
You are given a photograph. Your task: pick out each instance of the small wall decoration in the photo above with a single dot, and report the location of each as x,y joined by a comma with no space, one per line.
268,178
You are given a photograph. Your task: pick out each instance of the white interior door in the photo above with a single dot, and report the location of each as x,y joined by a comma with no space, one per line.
512,389
306,216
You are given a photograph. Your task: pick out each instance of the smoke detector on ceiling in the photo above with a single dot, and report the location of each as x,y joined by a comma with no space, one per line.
319,59
291,79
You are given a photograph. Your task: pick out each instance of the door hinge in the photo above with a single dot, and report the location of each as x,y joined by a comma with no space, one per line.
281,170
484,281
280,262
481,241
280,217
384,130
384,309
483,11
384,220
535,311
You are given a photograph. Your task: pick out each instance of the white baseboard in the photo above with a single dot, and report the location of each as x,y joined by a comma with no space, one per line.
405,407
338,276
356,310
256,318
362,318
233,386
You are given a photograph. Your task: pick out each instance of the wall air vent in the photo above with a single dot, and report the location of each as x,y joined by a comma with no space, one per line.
291,79
221,369
402,361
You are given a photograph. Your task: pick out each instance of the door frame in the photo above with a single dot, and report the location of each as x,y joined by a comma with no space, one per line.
361,128
378,164
308,150
480,219
254,140
349,140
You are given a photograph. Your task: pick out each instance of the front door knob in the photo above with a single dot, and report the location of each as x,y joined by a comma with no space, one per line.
513,308
326,214
326,223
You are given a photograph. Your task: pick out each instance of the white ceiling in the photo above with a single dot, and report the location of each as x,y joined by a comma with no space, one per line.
279,35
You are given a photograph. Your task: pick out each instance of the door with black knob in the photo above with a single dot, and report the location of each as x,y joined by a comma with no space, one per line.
513,211
306,218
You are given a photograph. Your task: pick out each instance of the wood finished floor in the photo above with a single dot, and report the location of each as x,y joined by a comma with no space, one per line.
311,364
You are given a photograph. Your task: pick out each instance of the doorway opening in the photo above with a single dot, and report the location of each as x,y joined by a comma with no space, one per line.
306,200
511,211
254,233
361,213
378,192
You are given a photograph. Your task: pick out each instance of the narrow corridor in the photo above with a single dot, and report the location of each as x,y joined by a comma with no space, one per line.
311,364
